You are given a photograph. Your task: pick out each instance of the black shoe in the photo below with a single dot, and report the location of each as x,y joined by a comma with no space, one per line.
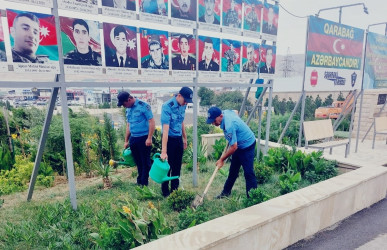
222,195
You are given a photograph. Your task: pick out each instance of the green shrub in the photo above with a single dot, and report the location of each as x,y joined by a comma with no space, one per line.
257,195
146,192
180,199
189,217
47,181
322,170
289,181
16,179
262,172
218,148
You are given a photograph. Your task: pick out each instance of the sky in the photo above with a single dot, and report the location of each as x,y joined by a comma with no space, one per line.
292,30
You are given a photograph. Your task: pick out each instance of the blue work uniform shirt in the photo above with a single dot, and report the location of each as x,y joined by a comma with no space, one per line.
236,130
138,117
173,114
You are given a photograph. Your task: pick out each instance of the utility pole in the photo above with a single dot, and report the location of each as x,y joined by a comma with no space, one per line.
287,64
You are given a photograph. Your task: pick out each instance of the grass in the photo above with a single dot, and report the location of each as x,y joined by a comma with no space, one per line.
48,221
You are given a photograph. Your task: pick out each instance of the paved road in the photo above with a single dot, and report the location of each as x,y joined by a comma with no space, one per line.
366,229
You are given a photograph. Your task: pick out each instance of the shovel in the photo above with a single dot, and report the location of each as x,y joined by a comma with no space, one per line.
199,198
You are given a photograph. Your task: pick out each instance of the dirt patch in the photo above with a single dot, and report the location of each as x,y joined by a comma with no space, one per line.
60,191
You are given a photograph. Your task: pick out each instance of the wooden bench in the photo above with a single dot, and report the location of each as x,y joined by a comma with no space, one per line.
322,130
380,127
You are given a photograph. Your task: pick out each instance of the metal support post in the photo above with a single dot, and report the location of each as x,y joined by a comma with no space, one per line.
359,119
289,120
195,117
68,147
352,118
259,131
301,118
373,123
42,142
242,110
256,105
268,117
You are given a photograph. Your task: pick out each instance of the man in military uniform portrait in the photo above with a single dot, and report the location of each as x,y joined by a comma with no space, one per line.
231,19
184,11
269,27
153,7
207,64
231,57
184,61
120,58
267,67
250,65
209,13
82,54
26,34
157,59
252,19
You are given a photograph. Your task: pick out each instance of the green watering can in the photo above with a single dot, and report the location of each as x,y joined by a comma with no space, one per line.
128,159
159,170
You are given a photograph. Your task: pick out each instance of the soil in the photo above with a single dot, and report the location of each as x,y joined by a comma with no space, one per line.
60,190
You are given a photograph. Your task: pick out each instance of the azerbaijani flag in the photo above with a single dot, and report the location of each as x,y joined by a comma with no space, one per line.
333,45
266,11
257,9
226,43
2,45
108,33
238,9
262,50
48,41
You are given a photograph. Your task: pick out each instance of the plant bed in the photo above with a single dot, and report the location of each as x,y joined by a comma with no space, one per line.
127,215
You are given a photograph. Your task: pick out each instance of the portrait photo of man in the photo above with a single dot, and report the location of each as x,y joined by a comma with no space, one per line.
184,61
207,63
25,31
83,54
252,15
3,56
268,66
230,14
207,12
270,27
153,56
183,9
120,4
250,65
156,7
231,56
117,52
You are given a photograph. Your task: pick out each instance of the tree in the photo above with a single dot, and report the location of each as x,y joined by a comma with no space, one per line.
230,100
328,101
206,96
318,101
341,97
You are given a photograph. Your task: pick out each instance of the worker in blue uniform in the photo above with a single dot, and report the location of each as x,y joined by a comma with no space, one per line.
241,142
139,131
174,137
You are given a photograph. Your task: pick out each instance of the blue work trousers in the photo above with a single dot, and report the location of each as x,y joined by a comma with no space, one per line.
244,157
175,156
141,155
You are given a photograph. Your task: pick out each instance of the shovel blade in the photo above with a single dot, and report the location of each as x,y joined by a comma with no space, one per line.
197,201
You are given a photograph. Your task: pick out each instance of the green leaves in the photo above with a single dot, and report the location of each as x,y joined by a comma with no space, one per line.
180,199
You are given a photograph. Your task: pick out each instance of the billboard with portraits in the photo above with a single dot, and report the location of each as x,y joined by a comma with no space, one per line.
231,51
33,41
250,58
85,6
232,16
209,14
120,49
183,13
119,8
270,21
375,68
154,11
252,18
154,52
267,60
81,45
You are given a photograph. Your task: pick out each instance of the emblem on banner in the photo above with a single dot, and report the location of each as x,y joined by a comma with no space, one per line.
313,78
353,79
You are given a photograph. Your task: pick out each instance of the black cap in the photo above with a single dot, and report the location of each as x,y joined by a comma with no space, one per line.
187,94
213,113
122,97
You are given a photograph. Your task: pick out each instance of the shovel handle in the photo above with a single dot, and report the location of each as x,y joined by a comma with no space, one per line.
210,181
